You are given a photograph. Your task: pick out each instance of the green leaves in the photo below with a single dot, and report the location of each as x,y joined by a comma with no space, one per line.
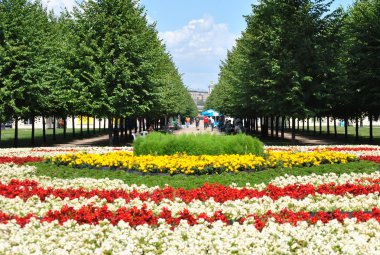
285,57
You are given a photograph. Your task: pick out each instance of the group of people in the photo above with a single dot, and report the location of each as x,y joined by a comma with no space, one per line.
236,127
223,125
207,122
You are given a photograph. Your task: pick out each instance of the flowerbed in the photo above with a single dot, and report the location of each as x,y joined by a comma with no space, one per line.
327,213
363,152
206,164
52,151
20,160
314,214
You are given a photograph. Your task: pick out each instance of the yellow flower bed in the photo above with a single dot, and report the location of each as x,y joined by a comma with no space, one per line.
205,164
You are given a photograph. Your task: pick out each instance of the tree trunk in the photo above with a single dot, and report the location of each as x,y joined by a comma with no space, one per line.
100,124
88,125
73,124
64,128
298,125
136,126
16,133
335,131
140,124
370,128
356,128
315,129
33,133
130,127
81,126
293,130
104,124
121,128
125,129
307,125
110,131
277,125
43,130
93,125
345,128
303,125
328,126
0,134
271,126
54,133
282,127
116,131
320,125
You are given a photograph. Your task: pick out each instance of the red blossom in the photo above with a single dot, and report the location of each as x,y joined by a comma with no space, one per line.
26,189
375,159
20,160
140,216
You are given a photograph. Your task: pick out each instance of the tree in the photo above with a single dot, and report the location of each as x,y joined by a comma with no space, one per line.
363,40
25,54
116,52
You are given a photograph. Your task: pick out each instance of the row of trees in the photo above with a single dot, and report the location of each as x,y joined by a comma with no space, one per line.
298,59
104,59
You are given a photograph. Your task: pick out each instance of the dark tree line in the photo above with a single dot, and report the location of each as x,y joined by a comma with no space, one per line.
299,60
102,60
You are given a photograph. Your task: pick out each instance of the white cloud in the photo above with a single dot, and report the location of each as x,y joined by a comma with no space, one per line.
59,5
197,49
201,37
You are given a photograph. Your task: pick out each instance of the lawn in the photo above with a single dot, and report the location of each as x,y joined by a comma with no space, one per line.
189,182
363,134
7,136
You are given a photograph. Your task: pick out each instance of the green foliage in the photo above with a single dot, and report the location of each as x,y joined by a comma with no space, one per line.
362,32
288,62
190,182
25,47
103,60
202,144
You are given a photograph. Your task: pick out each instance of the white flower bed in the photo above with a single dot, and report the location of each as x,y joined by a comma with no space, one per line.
71,238
53,151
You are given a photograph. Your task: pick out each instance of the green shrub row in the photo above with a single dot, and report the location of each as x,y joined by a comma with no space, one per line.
199,144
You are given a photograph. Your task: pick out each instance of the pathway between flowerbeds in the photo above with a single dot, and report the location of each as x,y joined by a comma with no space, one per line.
323,214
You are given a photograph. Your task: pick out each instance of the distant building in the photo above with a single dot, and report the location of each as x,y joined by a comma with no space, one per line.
200,96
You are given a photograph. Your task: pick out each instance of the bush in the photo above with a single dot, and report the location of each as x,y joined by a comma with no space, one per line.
201,144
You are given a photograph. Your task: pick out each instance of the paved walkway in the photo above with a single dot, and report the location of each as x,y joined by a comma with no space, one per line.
97,140
103,139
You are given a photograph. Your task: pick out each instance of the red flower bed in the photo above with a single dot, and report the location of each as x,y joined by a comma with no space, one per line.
53,150
375,159
352,149
136,217
20,160
26,189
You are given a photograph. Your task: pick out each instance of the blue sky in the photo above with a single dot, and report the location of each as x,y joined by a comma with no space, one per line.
197,33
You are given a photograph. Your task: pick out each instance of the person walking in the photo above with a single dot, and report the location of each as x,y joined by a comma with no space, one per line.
187,121
197,120
212,122
205,122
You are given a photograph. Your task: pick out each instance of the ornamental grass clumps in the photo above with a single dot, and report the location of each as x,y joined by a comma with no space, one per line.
200,144
204,164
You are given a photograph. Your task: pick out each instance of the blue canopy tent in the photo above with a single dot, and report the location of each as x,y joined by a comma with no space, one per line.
210,113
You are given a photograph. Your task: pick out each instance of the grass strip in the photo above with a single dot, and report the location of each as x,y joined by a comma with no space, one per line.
189,182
